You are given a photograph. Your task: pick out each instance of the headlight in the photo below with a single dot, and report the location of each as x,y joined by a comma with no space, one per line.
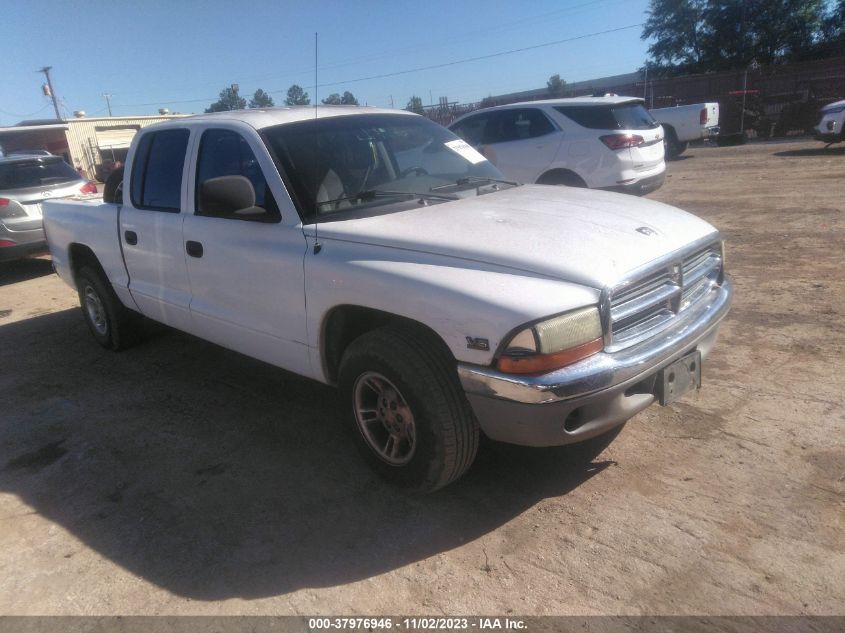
553,343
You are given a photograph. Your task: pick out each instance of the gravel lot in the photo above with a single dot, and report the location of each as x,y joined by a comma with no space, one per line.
180,478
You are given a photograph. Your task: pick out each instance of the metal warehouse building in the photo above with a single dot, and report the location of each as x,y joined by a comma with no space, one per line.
91,144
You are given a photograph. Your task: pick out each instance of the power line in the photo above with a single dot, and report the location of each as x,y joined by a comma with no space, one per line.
416,69
46,105
481,57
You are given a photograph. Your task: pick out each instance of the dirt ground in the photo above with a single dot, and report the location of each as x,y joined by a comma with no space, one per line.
180,478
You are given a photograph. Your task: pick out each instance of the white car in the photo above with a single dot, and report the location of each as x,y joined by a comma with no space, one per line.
608,142
831,127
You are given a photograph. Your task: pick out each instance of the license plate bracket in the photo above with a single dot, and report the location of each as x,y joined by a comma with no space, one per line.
674,380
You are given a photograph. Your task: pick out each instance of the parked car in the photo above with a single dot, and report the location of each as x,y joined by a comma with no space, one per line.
376,251
25,182
687,123
831,126
606,142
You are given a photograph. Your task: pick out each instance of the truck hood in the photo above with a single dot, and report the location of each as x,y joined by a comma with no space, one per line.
583,236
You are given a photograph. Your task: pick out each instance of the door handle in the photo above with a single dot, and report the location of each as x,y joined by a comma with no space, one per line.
131,237
194,249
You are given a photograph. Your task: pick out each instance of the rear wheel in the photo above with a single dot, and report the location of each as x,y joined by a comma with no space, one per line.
114,326
406,408
674,147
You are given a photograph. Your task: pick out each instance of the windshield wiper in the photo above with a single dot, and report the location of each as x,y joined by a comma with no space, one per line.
468,180
372,194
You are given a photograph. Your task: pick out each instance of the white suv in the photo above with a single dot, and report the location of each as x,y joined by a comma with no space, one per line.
831,127
597,142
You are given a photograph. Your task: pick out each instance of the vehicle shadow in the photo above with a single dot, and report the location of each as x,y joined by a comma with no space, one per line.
215,476
814,151
18,270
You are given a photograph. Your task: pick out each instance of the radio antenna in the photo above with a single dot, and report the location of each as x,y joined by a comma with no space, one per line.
317,246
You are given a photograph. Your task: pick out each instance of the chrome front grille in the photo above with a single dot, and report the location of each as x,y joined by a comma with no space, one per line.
648,302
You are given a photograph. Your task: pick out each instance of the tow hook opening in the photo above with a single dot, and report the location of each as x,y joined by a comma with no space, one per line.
574,420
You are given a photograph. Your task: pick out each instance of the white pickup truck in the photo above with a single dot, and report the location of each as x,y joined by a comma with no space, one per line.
374,250
687,123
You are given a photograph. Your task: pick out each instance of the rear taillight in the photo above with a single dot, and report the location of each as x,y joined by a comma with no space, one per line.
621,141
88,187
702,116
7,243
7,211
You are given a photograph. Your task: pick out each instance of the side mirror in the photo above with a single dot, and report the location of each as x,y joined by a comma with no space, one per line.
227,196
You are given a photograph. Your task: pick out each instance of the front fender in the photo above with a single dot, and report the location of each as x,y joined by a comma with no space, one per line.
456,298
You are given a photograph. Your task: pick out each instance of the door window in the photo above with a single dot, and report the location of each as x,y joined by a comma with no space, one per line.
226,153
516,125
472,129
157,170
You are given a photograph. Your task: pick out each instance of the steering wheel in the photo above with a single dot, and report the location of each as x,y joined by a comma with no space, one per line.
413,170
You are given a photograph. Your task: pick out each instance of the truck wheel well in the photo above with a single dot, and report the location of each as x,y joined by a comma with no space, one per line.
346,323
561,177
81,255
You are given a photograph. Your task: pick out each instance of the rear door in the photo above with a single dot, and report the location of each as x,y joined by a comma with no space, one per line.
150,229
246,271
522,143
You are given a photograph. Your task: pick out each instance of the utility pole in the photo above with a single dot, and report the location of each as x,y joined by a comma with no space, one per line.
46,71
108,103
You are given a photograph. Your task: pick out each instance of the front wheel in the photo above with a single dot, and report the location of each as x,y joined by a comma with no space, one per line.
406,409
114,326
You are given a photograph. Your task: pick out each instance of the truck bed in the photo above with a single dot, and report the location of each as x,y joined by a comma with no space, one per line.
75,223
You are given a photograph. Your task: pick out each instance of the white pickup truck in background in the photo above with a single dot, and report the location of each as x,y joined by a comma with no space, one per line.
376,251
687,123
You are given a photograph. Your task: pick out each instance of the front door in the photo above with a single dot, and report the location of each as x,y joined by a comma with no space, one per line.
245,270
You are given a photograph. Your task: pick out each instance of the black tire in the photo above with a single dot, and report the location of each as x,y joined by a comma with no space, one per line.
113,189
563,178
114,326
422,371
674,147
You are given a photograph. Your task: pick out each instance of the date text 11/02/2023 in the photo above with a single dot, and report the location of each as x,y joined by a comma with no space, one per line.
417,623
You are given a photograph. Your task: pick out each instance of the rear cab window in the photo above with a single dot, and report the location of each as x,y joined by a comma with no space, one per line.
623,116
157,169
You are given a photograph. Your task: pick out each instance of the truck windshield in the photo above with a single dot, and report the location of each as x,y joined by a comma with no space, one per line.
334,164
37,172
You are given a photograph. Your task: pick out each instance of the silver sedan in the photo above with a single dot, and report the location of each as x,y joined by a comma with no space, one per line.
25,182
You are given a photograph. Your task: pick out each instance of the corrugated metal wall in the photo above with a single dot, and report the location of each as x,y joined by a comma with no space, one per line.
82,136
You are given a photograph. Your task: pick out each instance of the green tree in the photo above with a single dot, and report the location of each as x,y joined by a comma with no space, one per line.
297,96
261,100
229,100
348,98
415,104
703,35
556,86
676,28
332,99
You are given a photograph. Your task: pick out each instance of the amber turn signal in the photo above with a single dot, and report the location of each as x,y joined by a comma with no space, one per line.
539,363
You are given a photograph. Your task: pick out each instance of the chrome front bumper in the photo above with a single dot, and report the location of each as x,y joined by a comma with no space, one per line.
604,390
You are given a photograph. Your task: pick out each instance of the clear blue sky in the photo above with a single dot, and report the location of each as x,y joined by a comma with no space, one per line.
177,54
